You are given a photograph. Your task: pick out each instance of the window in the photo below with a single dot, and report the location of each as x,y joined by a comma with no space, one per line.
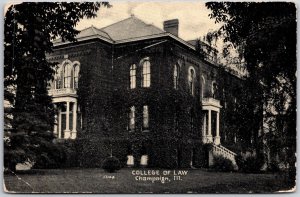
176,76
192,81
203,87
67,75
58,82
132,76
132,118
76,74
145,117
68,72
214,88
146,74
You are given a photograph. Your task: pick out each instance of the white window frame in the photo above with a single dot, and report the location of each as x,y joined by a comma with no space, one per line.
132,75
76,68
57,78
146,73
68,71
203,86
191,80
176,76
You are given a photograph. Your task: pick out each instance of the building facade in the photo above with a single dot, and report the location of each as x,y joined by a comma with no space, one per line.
144,95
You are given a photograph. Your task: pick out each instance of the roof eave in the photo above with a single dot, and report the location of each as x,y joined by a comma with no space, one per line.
60,43
156,36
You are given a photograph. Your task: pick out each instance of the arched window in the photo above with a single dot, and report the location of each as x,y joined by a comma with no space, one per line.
76,75
176,76
68,72
203,87
132,76
57,78
132,118
146,73
192,81
214,89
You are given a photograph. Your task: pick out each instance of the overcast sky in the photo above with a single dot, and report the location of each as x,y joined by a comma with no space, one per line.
193,16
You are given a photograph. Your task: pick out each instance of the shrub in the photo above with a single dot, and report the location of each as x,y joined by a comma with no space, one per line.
92,150
70,155
52,157
249,164
61,154
111,164
273,167
222,164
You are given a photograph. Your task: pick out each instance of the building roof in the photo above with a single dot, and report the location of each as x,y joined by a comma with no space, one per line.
88,33
92,31
131,28
127,30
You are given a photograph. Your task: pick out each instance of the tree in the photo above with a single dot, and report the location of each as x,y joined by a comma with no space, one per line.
265,33
29,31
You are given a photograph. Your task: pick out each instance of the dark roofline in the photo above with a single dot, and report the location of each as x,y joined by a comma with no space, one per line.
128,40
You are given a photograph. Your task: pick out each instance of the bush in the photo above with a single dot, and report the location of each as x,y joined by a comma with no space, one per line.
51,156
70,154
111,164
61,154
92,150
273,167
249,164
222,164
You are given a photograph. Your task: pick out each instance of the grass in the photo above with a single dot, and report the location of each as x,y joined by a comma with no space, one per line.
94,181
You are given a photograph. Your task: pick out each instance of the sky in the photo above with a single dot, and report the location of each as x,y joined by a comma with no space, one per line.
193,16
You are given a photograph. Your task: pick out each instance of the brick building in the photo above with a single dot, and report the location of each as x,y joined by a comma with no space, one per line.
142,94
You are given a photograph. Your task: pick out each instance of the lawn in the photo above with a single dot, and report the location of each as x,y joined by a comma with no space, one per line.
98,181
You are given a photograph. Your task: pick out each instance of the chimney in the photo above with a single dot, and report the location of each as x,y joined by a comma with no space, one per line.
171,26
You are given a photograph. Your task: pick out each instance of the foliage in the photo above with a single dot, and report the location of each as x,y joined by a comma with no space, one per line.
251,164
62,154
29,31
222,164
273,167
93,149
265,34
241,123
111,164
111,103
49,156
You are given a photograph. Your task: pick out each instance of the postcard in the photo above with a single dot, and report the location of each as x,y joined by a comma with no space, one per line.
150,97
